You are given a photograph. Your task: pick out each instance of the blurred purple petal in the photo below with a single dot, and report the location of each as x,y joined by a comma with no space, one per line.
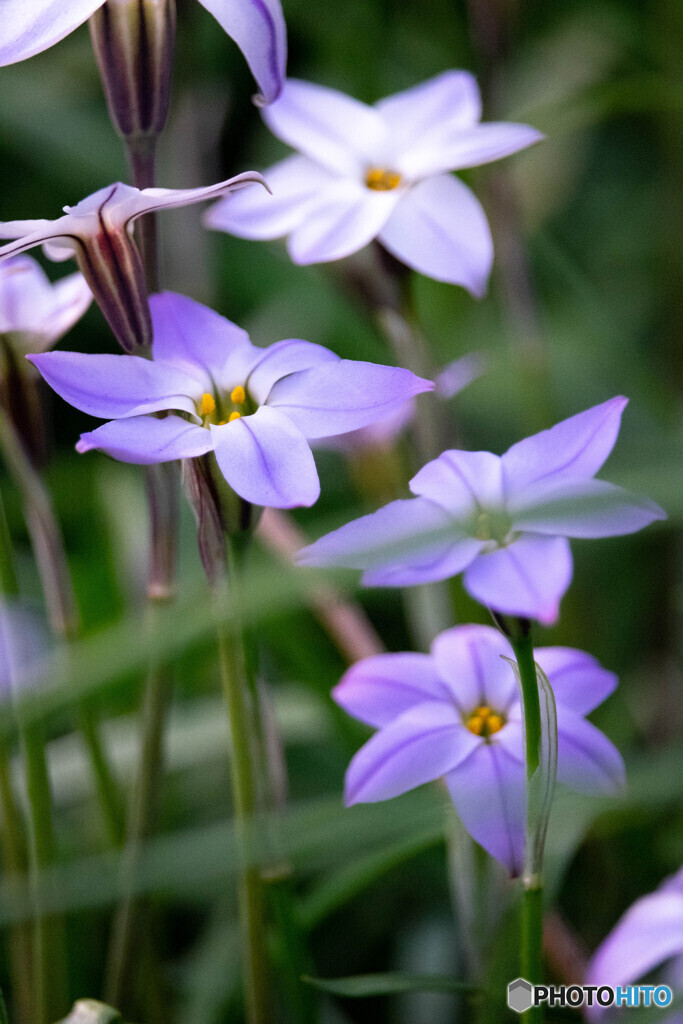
334,130
462,482
258,28
343,395
267,460
31,26
422,744
526,578
583,508
348,219
191,335
461,372
470,659
578,679
456,148
378,690
586,760
576,447
428,113
488,792
145,440
114,386
440,230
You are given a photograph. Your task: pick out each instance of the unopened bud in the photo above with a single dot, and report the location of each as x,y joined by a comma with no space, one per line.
133,42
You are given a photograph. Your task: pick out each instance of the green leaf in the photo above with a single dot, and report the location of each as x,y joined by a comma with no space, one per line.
363,985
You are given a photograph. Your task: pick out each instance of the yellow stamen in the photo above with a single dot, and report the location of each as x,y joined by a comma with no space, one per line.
484,722
381,180
208,404
238,395
221,423
234,416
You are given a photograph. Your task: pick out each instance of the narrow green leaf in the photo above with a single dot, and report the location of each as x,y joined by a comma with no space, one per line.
363,985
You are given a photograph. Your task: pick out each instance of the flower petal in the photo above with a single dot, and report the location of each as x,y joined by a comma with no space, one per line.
346,216
146,439
578,679
29,26
377,690
528,577
488,792
264,367
422,117
583,508
252,213
71,296
419,746
462,482
586,759
455,148
343,395
461,372
112,386
32,306
333,129
470,660
440,229
267,460
191,335
576,447
404,539
258,28
649,932
149,199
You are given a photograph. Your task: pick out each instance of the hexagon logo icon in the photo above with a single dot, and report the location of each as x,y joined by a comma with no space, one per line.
520,995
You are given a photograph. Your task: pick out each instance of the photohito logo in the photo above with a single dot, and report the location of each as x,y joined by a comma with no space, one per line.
522,995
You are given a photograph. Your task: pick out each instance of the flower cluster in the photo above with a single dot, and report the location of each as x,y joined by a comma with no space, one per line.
456,713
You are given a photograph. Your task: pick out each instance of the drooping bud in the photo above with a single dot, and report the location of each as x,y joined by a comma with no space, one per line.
133,42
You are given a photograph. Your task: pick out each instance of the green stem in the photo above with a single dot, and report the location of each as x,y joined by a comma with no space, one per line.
246,742
524,653
9,584
105,783
14,867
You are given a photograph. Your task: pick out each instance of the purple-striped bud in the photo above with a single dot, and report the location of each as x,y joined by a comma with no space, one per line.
133,42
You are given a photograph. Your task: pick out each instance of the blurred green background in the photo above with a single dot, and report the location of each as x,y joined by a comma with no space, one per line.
585,302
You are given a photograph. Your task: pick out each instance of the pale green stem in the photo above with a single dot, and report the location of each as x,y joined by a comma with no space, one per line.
9,584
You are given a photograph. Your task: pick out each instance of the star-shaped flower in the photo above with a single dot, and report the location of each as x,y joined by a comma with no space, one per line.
456,713
649,933
255,408
380,172
257,26
97,232
34,314
503,520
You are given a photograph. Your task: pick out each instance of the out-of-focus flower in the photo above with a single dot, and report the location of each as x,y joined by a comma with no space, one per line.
255,408
650,933
23,642
34,313
97,232
380,172
503,520
456,713
257,26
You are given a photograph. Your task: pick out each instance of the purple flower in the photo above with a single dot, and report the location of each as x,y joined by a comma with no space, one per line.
257,26
98,233
503,520
255,408
649,933
23,643
456,713
380,172
33,312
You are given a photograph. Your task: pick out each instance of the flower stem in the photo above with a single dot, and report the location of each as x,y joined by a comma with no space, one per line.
532,899
241,700
9,584
141,157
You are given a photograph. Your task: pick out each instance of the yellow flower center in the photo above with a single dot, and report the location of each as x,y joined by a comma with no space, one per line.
221,408
380,179
207,404
484,722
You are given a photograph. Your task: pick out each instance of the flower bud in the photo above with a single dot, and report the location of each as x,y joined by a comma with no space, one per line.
133,42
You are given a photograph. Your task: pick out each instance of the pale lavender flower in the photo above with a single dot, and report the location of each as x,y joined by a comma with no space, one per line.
502,520
649,933
23,643
456,713
380,172
257,26
97,232
34,313
255,408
